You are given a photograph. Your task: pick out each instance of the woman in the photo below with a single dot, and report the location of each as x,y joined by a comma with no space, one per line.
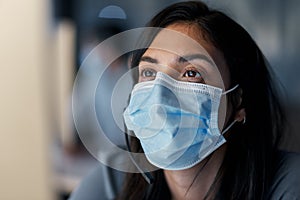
242,168
242,160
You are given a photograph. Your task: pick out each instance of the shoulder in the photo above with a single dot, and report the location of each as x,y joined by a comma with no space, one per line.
286,182
102,183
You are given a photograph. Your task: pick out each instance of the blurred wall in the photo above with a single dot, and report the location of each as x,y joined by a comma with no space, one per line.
26,87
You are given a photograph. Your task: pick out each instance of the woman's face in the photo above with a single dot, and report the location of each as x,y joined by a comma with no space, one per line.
181,52
179,57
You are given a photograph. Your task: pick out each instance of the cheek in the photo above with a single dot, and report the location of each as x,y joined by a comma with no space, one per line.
221,64
226,112
231,108
224,71
229,111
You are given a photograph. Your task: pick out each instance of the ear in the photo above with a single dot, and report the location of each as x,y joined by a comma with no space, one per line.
240,115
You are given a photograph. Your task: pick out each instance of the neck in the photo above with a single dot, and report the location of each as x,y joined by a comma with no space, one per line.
194,183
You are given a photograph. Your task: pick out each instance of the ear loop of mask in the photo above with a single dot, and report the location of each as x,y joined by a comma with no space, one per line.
230,90
228,127
234,121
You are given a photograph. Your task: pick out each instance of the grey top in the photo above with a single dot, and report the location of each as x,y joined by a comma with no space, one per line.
104,183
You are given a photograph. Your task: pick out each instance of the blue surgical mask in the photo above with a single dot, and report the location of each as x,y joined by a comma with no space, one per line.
176,122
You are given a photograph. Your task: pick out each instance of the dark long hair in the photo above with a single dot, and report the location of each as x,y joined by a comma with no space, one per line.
246,169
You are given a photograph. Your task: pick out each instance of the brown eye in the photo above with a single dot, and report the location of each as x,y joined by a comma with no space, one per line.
192,73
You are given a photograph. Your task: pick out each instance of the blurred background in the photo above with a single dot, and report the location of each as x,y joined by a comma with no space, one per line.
44,42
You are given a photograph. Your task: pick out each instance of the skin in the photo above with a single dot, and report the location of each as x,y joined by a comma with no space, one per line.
188,183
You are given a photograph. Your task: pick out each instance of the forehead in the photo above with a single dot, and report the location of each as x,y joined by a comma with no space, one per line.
180,39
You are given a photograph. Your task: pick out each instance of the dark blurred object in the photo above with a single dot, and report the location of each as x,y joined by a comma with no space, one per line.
63,9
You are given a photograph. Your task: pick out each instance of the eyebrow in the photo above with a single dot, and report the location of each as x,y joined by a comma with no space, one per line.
188,58
181,59
149,60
